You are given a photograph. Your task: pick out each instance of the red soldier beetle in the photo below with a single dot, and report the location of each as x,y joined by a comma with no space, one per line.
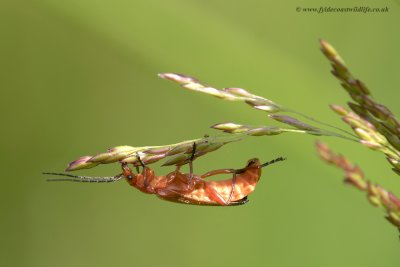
188,188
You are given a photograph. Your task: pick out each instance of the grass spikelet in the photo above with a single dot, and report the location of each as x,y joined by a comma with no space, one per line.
377,195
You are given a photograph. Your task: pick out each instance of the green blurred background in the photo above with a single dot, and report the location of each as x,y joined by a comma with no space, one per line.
78,77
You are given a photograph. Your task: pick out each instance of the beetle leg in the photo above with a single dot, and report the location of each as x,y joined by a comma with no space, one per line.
225,171
126,171
216,172
145,180
178,167
215,196
140,160
190,183
232,189
170,178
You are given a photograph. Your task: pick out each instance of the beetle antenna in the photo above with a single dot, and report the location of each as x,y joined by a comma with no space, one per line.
83,179
272,162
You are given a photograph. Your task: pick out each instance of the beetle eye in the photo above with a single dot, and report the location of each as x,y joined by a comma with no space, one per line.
130,177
